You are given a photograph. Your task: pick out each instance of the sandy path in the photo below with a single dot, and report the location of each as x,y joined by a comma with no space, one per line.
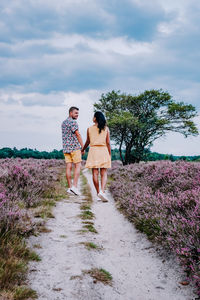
138,273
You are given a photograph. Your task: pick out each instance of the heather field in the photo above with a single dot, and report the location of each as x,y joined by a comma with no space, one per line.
23,183
163,200
28,189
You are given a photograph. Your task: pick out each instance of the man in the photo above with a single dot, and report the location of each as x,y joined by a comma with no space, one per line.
72,145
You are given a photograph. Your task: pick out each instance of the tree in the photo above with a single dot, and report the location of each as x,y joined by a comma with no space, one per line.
26,153
137,121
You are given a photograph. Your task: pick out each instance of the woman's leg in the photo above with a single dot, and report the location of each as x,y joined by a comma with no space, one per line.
95,174
103,172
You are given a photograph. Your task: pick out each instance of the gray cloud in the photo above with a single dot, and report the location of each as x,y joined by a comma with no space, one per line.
50,48
51,44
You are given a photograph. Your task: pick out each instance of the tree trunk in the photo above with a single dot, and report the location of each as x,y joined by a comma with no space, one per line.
120,151
139,153
128,154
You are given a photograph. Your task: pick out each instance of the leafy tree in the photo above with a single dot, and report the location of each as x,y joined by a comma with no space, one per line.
6,152
137,121
26,153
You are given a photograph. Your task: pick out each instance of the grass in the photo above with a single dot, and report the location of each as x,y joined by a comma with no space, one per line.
88,222
49,202
82,231
38,246
14,258
61,190
44,213
90,228
76,277
91,246
100,275
85,207
150,227
44,208
109,181
44,229
24,292
18,293
34,256
14,252
57,289
87,214
86,190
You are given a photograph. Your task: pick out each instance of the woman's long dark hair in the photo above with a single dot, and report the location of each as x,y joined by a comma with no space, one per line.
101,120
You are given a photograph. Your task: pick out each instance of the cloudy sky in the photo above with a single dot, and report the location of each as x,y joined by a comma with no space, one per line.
54,54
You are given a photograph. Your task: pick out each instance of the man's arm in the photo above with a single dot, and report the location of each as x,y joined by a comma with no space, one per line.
108,142
79,138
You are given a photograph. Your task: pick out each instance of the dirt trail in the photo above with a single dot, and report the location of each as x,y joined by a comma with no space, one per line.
138,273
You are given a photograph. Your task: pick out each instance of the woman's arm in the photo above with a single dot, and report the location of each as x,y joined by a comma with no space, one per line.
87,141
108,141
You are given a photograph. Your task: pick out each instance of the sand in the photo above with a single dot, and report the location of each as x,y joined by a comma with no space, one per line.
138,272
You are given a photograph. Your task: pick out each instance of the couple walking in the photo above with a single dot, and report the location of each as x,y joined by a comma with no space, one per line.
99,155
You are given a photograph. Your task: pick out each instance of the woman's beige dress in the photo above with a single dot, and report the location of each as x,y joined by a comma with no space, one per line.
98,155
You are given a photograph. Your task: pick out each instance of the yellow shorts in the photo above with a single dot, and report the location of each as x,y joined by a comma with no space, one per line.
74,157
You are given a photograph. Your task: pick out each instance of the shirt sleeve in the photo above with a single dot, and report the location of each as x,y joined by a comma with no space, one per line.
74,126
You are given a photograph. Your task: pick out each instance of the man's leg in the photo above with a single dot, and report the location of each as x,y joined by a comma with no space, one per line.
103,178
76,173
95,174
68,173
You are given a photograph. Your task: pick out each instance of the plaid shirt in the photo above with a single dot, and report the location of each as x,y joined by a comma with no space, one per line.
69,138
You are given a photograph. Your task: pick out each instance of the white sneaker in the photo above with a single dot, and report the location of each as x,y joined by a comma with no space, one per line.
75,191
69,191
102,196
98,198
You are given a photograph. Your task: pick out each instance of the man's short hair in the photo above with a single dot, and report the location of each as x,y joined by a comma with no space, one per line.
73,108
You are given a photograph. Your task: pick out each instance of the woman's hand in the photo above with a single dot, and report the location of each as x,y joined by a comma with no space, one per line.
86,143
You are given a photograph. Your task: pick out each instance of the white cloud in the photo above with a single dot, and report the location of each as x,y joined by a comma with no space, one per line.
177,144
32,99
120,45
18,122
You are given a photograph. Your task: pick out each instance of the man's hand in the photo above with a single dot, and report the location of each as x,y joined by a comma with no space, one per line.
82,152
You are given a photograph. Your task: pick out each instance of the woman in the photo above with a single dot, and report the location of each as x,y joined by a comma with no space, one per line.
99,156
